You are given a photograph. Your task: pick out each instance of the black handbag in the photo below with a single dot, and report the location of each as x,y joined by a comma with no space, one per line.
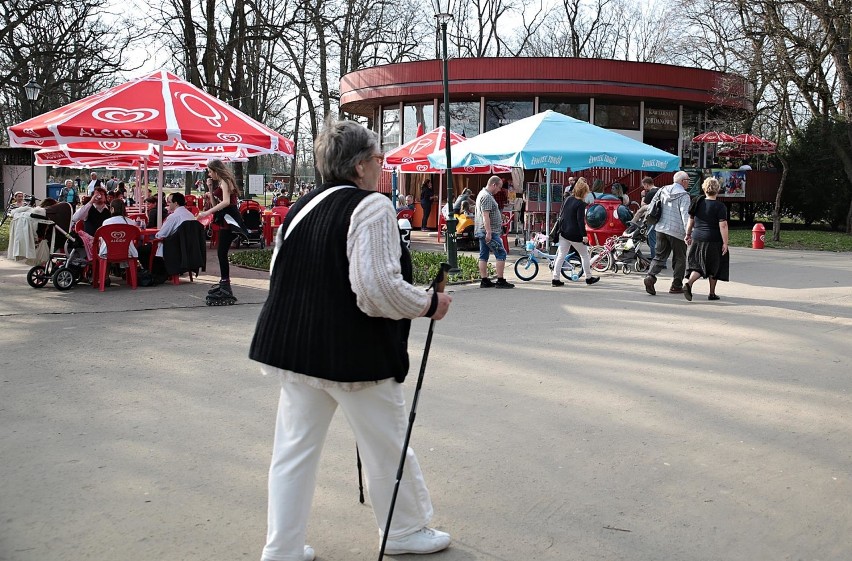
554,233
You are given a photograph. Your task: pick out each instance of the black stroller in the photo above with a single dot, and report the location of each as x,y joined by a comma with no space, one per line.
628,256
251,213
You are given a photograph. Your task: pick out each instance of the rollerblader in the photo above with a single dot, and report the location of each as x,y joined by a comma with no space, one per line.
222,202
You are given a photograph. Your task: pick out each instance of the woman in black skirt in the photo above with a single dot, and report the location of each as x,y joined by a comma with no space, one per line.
707,238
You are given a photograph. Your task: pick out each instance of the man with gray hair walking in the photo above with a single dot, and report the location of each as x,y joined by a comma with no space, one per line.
671,231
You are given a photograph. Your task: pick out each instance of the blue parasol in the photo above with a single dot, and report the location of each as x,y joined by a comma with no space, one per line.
554,141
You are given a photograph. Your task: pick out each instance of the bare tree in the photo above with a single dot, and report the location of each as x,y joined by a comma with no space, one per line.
72,48
812,44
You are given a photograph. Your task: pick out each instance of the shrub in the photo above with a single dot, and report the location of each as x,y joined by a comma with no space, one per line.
425,264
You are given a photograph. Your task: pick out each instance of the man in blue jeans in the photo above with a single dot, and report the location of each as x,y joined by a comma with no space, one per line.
488,224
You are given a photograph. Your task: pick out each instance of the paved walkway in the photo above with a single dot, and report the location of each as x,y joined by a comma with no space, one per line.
579,423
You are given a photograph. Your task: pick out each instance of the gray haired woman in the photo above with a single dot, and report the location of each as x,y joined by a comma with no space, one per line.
341,281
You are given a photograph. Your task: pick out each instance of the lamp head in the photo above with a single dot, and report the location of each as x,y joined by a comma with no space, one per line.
444,18
33,90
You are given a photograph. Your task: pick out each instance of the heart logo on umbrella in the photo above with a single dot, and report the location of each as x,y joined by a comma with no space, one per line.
109,145
420,145
229,137
120,115
422,167
213,116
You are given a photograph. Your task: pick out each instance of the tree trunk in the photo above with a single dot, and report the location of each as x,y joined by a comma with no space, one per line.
776,212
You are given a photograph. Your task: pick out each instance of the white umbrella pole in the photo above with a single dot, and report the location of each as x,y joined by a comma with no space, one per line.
547,213
438,214
160,189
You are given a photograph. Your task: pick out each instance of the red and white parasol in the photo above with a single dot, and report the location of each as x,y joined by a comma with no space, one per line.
412,157
713,137
755,144
749,139
158,109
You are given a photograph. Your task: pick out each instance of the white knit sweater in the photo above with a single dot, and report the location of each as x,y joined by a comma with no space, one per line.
373,251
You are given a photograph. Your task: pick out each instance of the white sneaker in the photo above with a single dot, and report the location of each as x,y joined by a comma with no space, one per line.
309,554
424,540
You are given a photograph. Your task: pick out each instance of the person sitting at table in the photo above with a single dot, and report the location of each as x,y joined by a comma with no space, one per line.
178,214
409,203
119,216
464,202
93,214
151,210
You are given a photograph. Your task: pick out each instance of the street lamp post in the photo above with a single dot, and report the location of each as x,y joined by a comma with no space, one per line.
32,89
452,253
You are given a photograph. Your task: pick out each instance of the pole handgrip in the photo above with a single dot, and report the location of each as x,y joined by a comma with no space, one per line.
440,281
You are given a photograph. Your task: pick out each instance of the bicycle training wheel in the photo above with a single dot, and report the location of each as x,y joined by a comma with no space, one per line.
526,269
572,266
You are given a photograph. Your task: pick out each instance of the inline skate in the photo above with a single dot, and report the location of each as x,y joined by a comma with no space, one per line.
221,295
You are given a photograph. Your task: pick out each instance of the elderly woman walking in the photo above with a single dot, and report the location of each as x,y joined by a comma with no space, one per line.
707,237
334,329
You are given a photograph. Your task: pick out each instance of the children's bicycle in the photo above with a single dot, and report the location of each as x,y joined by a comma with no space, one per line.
526,268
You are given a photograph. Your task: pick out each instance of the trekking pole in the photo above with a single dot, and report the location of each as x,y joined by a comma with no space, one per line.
438,286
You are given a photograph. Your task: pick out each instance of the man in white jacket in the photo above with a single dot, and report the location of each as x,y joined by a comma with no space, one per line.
671,231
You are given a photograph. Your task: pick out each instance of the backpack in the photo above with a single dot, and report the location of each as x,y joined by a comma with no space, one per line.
655,209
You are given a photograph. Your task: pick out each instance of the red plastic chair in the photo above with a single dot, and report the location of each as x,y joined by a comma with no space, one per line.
405,214
272,221
118,238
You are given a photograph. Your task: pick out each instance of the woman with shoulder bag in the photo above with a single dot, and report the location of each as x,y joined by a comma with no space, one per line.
572,233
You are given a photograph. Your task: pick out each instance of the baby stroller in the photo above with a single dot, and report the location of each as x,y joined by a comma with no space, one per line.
64,268
252,214
75,265
628,256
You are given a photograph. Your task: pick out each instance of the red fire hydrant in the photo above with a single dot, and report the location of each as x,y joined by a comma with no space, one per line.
758,236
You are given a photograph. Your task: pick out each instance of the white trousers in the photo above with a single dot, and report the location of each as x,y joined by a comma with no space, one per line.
564,250
378,418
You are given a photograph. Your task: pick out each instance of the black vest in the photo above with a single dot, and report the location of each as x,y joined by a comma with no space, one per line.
95,220
311,323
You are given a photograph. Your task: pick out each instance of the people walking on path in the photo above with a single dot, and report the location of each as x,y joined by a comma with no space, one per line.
707,238
572,233
671,231
341,280
488,225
